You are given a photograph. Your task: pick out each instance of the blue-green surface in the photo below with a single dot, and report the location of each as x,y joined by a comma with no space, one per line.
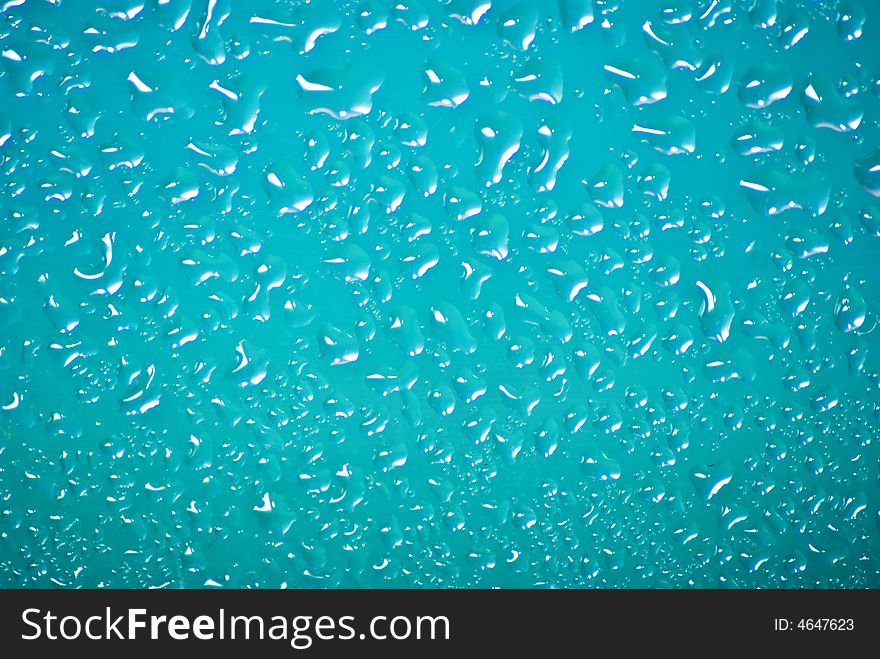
452,294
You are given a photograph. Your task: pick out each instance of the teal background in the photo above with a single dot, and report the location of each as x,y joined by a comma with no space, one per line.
439,294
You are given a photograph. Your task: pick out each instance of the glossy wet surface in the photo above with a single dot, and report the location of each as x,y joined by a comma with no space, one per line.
423,293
